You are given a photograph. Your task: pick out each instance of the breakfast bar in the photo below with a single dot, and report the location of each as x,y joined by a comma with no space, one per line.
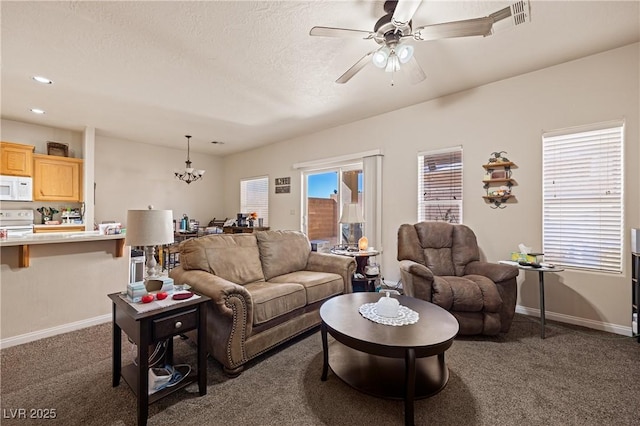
23,243
54,283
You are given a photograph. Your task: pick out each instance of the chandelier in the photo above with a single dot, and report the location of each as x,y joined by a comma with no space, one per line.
189,174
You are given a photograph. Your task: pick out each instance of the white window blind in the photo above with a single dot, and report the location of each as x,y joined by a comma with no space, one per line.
440,185
254,197
582,174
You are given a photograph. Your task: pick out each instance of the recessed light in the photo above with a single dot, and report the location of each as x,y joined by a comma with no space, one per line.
43,80
37,111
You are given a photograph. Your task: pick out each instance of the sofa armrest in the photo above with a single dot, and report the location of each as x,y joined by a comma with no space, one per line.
496,272
216,288
342,265
229,315
417,279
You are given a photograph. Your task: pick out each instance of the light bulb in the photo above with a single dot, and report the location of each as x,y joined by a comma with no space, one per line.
381,56
404,53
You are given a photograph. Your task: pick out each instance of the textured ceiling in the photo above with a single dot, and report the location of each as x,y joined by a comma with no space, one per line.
247,72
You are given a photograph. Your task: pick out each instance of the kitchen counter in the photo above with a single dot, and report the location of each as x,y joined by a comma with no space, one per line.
24,242
63,227
64,286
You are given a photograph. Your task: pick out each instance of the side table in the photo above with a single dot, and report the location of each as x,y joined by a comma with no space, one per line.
147,328
541,271
362,259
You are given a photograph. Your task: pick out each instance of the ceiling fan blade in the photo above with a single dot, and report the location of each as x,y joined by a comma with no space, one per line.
466,28
355,68
404,11
341,32
413,68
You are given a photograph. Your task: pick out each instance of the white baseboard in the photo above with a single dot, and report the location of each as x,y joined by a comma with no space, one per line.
583,322
41,334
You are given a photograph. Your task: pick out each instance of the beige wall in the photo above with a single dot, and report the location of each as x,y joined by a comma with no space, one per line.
38,136
65,286
508,115
131,175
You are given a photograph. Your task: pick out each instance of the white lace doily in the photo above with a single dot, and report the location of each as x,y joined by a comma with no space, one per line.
405,315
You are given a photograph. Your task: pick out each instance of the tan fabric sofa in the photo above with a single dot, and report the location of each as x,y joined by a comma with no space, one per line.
266,288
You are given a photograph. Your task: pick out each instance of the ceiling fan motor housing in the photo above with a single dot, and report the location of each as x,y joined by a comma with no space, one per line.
389,34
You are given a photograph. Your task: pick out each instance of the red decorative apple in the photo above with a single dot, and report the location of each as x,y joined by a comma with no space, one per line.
147,298
161,295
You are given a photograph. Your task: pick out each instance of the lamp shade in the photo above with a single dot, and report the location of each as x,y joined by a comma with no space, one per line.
149,227
351,213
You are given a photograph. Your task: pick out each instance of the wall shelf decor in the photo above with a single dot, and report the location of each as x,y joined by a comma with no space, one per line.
497,181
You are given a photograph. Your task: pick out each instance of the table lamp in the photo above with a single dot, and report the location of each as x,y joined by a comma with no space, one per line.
351,214
149,228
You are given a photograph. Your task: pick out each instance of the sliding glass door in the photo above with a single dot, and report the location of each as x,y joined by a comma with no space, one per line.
326,192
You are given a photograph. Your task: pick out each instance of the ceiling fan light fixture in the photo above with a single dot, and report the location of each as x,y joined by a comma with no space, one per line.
380,57
404,53
393,64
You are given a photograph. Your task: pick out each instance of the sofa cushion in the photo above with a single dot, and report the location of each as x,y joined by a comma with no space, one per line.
233,257
318,285
282,252
270,300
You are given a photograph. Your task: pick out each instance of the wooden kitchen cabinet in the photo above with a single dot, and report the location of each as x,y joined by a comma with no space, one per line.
17,159
57,178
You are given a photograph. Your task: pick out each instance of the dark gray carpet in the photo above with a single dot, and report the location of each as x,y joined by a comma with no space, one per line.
575,376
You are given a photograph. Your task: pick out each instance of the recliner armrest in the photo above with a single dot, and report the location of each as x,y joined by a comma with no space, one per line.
417,279
496,272
415,268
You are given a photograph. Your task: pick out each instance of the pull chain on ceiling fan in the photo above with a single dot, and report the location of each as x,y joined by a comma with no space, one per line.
393,32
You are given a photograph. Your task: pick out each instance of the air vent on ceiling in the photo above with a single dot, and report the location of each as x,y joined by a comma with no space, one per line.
520,11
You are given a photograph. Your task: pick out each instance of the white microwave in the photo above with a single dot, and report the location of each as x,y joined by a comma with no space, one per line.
16,188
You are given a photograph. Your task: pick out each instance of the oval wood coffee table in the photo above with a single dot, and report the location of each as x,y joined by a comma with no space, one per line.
397,362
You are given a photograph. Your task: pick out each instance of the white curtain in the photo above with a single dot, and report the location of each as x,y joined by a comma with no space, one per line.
372,188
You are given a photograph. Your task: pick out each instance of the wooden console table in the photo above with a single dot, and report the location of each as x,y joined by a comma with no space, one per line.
243,229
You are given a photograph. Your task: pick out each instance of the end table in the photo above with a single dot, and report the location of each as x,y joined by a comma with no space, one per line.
368,282
147,328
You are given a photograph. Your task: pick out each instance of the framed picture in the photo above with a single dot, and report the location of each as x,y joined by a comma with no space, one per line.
499,174
286,189
283,181
57,148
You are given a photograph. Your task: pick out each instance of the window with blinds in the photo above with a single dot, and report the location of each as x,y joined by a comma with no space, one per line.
583,195
440,185
254,197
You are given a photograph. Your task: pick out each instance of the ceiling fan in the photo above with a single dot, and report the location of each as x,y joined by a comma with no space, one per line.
394,33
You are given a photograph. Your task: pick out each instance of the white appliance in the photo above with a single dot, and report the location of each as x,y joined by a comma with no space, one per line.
18,223
16,188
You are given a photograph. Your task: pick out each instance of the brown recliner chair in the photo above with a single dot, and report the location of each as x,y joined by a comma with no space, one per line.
440,263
